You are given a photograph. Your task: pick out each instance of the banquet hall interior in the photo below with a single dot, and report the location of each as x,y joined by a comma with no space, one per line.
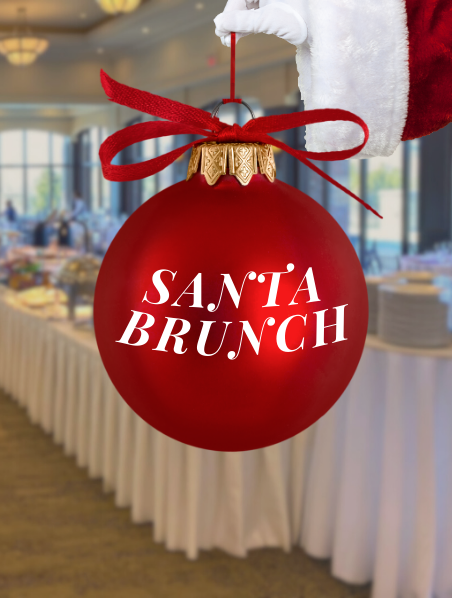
94,502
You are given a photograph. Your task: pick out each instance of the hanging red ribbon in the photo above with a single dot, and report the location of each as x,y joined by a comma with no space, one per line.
182,119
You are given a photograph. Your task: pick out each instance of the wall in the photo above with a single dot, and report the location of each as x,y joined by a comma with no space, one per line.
177,68
61,81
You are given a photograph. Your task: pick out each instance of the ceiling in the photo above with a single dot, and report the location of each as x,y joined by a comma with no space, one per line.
166,46
77,28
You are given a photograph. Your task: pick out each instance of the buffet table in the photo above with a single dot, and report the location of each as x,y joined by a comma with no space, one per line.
369,486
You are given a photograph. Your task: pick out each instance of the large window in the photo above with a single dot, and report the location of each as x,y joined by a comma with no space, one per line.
384,192
391,186
339,204
35,171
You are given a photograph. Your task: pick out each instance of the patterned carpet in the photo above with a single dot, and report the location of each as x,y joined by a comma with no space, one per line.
61,537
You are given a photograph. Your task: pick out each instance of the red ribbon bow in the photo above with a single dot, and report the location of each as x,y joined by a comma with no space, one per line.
185,119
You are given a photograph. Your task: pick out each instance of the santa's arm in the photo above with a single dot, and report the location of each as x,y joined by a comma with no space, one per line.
388,61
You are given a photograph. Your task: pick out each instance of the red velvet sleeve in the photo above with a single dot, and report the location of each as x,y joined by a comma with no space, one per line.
430,64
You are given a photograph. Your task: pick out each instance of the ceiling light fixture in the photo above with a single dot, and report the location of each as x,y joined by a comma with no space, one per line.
113,7
22,47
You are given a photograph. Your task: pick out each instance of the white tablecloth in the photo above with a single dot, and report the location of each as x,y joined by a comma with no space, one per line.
369,486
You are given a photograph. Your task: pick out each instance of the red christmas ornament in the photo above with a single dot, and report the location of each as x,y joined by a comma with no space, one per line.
228,317
231,317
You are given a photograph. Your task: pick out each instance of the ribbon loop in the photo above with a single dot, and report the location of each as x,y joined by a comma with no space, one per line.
147,102
185,119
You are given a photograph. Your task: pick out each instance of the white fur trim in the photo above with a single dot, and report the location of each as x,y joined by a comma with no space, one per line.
356,58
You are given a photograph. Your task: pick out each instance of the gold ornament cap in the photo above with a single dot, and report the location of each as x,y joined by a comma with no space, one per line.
239,159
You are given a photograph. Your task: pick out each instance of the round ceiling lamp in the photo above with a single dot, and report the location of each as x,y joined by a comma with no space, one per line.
22,47
113,7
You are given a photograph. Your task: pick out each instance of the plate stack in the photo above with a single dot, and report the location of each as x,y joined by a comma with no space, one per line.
412,315
373,282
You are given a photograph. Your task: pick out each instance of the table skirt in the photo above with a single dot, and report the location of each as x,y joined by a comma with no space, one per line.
369,486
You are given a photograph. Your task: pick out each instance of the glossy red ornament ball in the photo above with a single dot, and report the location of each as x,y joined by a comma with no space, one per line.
242,396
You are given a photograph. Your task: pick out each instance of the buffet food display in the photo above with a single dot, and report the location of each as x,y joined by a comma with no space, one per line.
27,266
78,278
55,282
23,273
80,270
42,296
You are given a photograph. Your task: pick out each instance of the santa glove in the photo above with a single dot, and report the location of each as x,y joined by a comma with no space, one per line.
236,5
275,18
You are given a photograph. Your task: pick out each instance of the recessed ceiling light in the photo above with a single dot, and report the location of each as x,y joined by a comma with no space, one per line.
83,15
145,30
100,50
199,5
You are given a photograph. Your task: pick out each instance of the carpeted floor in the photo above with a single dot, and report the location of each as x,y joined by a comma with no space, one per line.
61,537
